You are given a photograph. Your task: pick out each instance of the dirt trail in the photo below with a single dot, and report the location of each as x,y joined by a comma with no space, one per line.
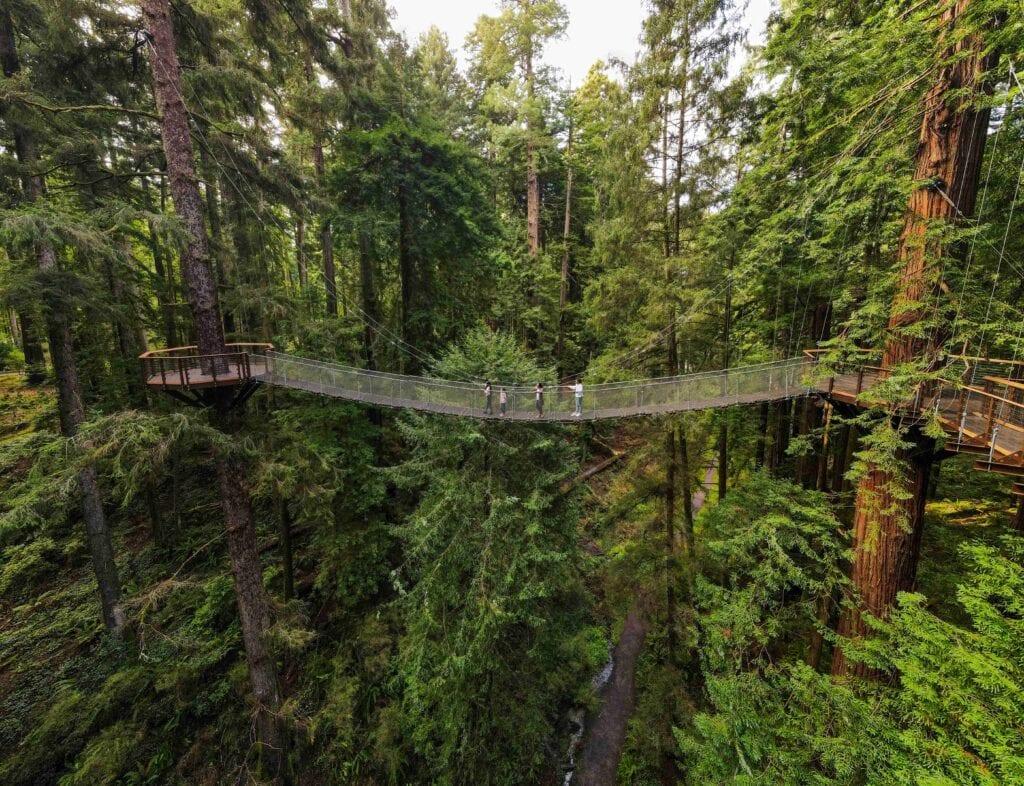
602,748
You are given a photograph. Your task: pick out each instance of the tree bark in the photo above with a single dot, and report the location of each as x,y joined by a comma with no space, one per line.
65,368
563,292
889,509
762,429
31,348
188,205
253,604
532,176
250,595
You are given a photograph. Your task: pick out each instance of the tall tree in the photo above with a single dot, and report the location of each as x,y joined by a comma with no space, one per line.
889,512
508,50
251,597
61,343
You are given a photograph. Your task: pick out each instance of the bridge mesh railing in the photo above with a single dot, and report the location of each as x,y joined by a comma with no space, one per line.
746,384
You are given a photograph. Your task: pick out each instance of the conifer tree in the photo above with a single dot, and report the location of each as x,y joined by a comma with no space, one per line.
61,343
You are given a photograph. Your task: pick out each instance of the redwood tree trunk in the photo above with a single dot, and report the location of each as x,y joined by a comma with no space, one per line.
887,525
65,369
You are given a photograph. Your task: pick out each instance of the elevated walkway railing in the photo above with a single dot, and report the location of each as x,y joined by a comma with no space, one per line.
712,389
978,401
184,367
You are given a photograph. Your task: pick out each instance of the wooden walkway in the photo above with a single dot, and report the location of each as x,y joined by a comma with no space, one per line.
980,407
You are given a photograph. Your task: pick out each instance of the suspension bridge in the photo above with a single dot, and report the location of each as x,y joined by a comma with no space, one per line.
979,402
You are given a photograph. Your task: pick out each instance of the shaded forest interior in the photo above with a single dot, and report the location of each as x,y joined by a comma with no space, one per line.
257,584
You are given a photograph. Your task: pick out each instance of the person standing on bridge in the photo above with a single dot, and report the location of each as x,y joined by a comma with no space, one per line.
538,394
488,397
502,400
577,390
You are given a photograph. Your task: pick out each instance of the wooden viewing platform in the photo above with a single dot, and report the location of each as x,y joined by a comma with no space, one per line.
979,404
191,377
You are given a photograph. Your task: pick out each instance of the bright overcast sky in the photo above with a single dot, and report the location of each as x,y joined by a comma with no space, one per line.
598,29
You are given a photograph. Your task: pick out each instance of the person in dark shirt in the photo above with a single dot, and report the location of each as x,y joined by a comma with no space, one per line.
538,395
488,397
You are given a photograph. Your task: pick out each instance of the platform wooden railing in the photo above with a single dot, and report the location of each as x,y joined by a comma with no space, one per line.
183,367
979,401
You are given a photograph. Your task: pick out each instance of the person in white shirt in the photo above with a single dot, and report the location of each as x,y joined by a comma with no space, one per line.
502,400
577,390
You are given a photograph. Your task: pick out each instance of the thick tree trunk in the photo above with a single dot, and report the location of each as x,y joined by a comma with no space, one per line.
563,292
887,525
31,348
762,429
1018,519
887,532
253,604
65,369
188,205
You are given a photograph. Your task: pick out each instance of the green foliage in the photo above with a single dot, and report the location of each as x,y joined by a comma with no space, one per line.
771,719
444,616
491,599
772,552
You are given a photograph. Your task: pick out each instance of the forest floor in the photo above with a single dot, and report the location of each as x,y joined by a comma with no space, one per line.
22,406
606,736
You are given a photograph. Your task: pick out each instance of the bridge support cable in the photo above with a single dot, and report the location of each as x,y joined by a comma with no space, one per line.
706,390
